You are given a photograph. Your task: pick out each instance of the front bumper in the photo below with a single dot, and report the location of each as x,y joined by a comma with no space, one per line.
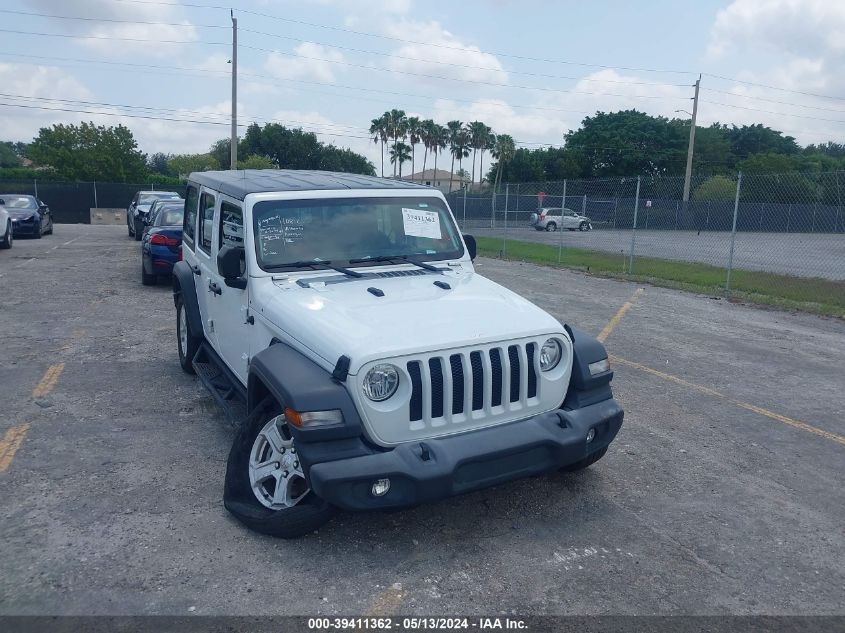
25,227
469,461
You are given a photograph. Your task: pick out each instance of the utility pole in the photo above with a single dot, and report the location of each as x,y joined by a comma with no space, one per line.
691,146
234,140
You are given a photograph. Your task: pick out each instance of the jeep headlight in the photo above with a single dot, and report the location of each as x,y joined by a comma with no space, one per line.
381,382
550,354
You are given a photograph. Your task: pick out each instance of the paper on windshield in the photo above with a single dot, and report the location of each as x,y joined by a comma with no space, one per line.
419,223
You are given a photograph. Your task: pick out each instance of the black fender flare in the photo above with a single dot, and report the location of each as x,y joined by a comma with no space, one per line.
185,287
585,389
296,381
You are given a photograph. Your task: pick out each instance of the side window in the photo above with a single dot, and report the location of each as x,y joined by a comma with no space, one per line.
206,226
231,225
189,223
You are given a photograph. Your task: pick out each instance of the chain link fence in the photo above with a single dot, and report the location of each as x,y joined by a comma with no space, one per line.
71,202
776,239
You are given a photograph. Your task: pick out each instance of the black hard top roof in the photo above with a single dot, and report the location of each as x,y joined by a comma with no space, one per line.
239,183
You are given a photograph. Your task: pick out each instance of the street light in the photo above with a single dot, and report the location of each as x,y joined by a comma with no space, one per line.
685,112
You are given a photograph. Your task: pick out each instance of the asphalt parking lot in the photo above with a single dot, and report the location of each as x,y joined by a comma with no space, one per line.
723,493
799,254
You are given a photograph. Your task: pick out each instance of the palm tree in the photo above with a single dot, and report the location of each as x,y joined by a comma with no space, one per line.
378,130
503,151
414,131
400,153
487,141
397,127
462,146
454,129
426,137
439,139
477,135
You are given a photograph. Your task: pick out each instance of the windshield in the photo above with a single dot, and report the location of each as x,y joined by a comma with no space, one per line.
18,202
149,198
170,216
343,229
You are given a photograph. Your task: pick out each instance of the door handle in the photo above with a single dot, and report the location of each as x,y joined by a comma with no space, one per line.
196,270
213,287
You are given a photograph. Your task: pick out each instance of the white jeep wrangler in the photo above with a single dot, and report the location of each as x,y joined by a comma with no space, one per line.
339,322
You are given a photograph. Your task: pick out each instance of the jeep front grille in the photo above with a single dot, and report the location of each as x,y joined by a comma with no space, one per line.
472,384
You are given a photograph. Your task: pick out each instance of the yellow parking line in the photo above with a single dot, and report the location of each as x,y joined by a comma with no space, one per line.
611,325
10,444
46,384
798,424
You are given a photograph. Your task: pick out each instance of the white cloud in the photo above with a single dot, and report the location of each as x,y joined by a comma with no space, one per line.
442,55
137,15
367,7
23,123
310,61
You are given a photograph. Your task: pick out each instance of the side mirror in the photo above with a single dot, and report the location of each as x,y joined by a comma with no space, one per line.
231,263
472,248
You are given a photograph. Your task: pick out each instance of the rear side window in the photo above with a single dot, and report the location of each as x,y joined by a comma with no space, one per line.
190,222
231,225
206,226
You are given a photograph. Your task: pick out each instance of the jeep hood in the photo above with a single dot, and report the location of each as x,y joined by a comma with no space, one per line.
413,316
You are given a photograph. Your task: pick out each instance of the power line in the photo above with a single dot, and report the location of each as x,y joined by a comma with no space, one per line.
787,103
456,79
770,87
408,41
105,37
799,116
110,20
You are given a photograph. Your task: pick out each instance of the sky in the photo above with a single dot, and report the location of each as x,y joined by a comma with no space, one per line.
529,68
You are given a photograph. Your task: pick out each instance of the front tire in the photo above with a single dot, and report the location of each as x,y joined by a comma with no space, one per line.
589,460
187,342
266,488
9,239
584,226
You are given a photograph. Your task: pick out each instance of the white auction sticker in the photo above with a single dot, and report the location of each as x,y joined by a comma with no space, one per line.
419,223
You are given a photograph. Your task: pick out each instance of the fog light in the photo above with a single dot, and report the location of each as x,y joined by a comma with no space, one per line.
381,487
591,435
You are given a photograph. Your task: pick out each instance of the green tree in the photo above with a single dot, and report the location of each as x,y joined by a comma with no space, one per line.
184,164
503,151
478,139
628,143
157,164
759,139
254,161
716,189
8,156
89,152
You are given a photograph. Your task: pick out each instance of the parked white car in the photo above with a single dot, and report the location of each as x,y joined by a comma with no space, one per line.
7,237
339,321
551,219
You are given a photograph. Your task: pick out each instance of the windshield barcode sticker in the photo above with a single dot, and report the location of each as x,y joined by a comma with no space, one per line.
420,223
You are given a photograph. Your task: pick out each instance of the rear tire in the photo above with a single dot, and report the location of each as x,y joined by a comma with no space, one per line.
240,496
38,234
9,238
187,342
589,460
551,227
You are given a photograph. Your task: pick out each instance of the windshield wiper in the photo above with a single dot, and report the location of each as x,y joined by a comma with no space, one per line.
389,258
313,265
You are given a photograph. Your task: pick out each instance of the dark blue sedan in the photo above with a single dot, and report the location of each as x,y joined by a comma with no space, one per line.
29,215
161,243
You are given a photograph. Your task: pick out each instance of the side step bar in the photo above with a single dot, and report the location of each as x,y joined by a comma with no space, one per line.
223,386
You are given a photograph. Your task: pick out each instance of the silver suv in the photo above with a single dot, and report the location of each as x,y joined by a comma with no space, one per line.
552,219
